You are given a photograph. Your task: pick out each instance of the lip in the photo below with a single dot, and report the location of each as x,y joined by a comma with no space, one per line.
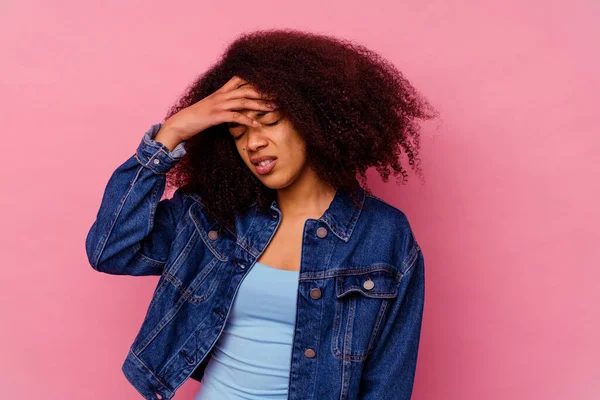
256,160
266,169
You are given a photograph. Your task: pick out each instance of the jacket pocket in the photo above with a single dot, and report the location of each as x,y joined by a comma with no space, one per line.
201,286
362,299
195,272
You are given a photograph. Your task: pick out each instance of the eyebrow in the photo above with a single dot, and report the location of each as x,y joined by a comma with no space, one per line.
257,115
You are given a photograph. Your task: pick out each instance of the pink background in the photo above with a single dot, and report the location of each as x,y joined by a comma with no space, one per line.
508,217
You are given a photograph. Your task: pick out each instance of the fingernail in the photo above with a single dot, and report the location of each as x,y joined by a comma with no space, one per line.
256,123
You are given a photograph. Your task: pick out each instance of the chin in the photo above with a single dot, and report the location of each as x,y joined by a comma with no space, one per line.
273,186
273,183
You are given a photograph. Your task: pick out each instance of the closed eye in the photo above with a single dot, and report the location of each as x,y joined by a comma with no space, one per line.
242,134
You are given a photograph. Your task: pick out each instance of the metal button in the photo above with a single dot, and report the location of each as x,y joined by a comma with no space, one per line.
274,215
315,293
156,161
213,235
321,232
369,284
242,265
309,353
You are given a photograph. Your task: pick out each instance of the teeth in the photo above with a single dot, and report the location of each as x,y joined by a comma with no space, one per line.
263,163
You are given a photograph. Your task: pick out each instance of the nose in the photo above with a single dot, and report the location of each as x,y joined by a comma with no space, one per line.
254,134
255,138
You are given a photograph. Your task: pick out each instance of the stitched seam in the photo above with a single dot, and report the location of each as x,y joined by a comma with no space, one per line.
337,316
183,254
413,255
188,294
375,332
350,271
149,370
205,239
149,166
161,324
102,244
153,209
149,260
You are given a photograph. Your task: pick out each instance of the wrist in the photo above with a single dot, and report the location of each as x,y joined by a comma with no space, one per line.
168,137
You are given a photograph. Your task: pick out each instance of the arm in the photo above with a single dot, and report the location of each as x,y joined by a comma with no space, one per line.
133,229
390,368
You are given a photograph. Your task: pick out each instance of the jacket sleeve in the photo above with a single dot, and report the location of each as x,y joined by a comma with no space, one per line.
134,229
390,368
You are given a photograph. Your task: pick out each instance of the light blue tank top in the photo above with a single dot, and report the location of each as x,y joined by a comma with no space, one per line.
251,359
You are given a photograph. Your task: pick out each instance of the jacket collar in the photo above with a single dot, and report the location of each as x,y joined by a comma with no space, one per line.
341,215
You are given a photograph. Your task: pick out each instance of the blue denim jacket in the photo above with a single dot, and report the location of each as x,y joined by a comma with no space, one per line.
360,293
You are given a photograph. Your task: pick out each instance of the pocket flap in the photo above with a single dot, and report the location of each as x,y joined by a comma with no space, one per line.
379,283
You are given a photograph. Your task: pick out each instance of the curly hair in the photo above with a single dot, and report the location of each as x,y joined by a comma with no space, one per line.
353,108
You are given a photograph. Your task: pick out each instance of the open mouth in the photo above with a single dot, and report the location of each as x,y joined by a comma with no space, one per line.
265,167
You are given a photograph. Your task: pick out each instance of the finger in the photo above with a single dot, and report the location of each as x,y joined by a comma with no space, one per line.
245,103
246,91
233,83
239,118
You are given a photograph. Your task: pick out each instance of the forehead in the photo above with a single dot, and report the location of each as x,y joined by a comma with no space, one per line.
256,114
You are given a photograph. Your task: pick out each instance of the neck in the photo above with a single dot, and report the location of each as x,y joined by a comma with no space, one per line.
307,197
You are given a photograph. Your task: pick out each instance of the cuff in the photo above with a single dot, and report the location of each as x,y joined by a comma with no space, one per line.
155,155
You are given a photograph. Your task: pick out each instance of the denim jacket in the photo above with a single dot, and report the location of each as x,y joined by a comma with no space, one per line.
360,292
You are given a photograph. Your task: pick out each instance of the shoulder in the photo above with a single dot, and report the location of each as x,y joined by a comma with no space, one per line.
387,213
395,223
187,197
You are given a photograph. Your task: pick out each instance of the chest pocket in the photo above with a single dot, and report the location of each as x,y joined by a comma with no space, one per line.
197,271
362,298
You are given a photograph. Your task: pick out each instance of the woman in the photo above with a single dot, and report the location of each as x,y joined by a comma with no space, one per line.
281,277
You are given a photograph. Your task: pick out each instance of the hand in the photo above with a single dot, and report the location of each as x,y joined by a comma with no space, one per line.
219,107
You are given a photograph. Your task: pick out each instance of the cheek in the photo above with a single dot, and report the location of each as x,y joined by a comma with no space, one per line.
240,149
297,157
299,150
